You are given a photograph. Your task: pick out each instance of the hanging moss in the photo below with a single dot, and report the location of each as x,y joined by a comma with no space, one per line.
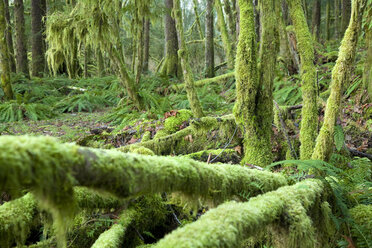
17,218
232,222
309,122
340,76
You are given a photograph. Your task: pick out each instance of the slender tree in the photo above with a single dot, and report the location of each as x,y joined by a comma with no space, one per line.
209,40
340,76
316,19
328,20
146,45
345,14
187,72
9,38
367,74
197,19
37,29
224,35
171,62
253,107
21,43
231,20
337,22
4,57
309,122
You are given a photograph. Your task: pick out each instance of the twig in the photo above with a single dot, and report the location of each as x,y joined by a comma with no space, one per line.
236,129
355,152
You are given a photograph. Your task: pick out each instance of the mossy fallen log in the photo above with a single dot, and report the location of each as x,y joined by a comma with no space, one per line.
230,223
227,156
203,134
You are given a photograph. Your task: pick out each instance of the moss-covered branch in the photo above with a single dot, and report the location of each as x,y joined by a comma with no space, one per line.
203,82
231,223
113,237
340,77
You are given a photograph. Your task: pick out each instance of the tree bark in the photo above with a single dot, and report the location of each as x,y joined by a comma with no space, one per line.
21,42
192,96
345,15
146,46
328,20
340,76
225,35
231,21
4,57
316,19
9,38
367,74
209,40
254,106
337,18
37,29
171,61
309,122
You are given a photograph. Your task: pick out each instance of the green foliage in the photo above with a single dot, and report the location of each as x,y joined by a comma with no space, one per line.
339,137
18,110
362,226
287,92
88,101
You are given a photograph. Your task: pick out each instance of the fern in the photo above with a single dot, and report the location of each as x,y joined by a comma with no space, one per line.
86,102
16,111
339,137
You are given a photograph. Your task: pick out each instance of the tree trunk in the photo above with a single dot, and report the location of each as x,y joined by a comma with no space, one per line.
86,60
337,18
209,40
21,42
9,38
231,21
253,107
100,63
139,66
316,19
340,76
309,122
197,19
146,45
367,74
38,54
4,57
328,20
171,61
345,15
187,72
225,35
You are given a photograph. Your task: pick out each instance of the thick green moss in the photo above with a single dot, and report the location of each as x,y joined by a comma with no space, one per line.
362,229
309,122
173,123
224,156
232,222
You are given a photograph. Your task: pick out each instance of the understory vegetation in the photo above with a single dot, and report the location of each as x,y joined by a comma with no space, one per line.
173,123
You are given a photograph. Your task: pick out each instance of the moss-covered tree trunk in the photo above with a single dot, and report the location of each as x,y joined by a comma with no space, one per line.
253,108
38,53
309,122
231,21
197,19
209,40
340,76
146,45
367,74
9,38
140,43
345,15
316,19
4,57
225,35
186,69
171,62
20,35
100,63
